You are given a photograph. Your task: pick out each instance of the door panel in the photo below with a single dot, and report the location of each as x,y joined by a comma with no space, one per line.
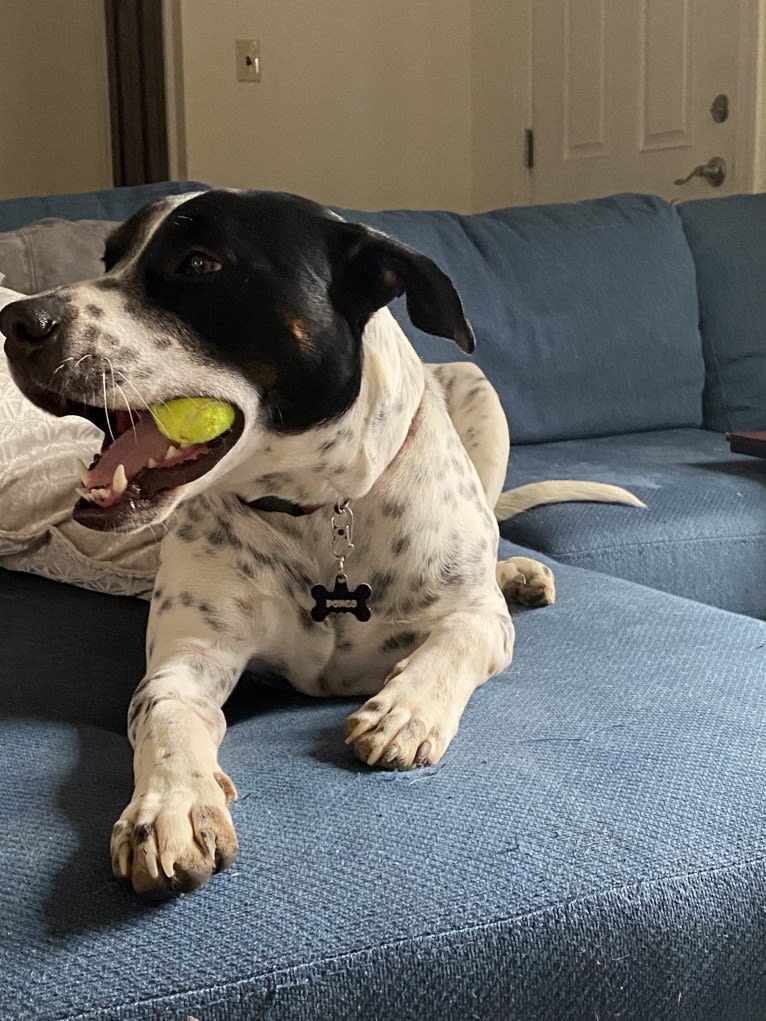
621,96
665,74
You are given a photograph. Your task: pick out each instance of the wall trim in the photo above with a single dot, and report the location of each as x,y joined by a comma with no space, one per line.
174,88
759,133
751,93
136,62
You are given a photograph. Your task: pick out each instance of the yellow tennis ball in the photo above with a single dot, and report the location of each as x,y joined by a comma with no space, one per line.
193,419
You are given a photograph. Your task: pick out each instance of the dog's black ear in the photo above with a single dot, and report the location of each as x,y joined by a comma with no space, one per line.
374,269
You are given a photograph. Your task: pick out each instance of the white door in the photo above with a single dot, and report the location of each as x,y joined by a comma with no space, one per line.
631,95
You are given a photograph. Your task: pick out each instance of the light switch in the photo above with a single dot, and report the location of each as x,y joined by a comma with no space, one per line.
248,57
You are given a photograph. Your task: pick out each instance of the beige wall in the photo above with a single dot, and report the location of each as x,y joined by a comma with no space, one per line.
54,114
362,102
404,103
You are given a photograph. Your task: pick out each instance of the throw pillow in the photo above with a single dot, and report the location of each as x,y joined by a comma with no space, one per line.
51,252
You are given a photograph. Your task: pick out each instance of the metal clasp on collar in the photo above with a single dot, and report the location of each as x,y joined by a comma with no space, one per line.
342,524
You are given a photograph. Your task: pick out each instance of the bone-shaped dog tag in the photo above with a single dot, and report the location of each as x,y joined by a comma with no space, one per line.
341,600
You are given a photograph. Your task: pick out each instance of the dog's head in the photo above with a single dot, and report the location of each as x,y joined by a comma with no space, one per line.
258,299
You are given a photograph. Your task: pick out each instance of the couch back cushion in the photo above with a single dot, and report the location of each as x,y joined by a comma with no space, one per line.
109,204
585,313
726,237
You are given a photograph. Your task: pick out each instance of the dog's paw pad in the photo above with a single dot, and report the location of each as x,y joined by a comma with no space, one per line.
526,582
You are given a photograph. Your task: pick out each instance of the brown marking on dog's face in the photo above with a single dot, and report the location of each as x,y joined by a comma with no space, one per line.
297,327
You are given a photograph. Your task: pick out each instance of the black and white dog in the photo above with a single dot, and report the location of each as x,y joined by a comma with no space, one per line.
349,464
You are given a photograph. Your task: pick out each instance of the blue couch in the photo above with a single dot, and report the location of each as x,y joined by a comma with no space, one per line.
593,844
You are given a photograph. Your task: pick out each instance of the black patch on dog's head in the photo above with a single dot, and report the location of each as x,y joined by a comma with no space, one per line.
281,290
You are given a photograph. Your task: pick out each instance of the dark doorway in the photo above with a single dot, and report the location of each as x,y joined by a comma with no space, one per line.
136,60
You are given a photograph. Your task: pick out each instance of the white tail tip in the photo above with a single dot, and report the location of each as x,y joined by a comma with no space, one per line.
536,494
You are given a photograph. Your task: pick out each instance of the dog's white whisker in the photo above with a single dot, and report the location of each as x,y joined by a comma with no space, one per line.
122,394
136,391
106,407
111,373
127,406
61,366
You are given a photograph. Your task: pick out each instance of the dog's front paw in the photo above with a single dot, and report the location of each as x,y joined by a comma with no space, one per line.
394,731
526,582
171,838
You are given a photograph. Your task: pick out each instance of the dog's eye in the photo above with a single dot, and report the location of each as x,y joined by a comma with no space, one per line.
198,263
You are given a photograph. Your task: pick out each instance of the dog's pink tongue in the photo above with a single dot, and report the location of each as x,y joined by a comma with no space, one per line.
132,449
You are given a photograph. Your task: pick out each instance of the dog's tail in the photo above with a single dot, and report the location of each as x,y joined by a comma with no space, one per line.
535,494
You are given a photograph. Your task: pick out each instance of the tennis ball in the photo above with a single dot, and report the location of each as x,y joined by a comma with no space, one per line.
192,419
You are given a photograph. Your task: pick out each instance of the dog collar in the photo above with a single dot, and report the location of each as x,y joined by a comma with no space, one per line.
275,504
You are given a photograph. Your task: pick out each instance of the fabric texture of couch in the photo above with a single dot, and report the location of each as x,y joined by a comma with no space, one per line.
593,844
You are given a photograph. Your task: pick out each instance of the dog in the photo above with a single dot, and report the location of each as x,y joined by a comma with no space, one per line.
340,534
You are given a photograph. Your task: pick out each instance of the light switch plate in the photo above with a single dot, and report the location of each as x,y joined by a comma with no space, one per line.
248,57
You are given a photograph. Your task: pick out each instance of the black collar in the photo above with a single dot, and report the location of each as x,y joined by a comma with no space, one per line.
278,505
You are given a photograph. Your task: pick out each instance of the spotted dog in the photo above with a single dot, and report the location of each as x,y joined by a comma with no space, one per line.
275,305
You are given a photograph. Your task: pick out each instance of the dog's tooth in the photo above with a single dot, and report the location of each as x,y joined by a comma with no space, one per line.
151,463
171,452
84,493
83,472
119,480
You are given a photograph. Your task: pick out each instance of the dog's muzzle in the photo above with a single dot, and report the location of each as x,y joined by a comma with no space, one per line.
138,474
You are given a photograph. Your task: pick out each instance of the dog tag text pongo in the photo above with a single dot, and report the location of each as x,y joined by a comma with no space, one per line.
341,600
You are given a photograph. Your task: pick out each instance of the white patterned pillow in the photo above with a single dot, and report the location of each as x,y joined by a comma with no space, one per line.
38,455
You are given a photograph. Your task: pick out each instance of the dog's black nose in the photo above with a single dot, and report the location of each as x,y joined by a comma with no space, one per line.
27,324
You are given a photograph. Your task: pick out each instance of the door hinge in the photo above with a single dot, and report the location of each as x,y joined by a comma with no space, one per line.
529,148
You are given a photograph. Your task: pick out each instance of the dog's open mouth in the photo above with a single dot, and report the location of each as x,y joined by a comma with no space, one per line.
138,469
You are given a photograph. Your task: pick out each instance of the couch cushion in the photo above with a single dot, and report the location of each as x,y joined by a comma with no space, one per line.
52,252
592,844
702,535
726,237
585,313
109,204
